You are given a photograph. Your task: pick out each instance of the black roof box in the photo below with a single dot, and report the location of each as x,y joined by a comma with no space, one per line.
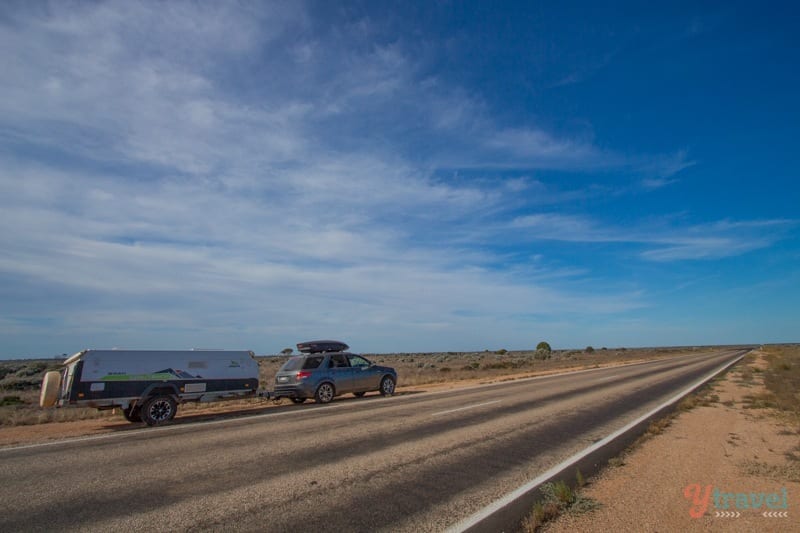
321,346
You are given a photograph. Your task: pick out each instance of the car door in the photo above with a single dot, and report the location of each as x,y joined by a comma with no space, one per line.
341,373
365,376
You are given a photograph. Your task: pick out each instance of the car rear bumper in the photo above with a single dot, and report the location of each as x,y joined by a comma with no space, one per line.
292,391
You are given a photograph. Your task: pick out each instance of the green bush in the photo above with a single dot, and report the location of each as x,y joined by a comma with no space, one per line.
543,347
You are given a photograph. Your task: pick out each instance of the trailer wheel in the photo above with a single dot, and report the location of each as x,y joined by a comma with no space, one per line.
298,400
158,410
132,414
50,387
325,393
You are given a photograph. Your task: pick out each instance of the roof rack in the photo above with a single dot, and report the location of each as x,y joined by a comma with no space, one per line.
321,346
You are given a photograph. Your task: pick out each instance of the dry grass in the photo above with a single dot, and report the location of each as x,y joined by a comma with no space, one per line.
782,378
784,472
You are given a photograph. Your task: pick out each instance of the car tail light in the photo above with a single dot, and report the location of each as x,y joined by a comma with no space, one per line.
303,374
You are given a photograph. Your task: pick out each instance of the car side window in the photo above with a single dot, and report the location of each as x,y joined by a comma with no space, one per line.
339,360
312,363
358,361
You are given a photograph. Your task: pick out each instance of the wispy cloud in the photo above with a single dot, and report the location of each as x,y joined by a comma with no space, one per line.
705,241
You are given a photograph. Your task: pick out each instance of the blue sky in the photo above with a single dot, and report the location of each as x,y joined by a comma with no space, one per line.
403,176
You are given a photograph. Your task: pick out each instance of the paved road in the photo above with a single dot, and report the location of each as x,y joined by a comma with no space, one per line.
410,463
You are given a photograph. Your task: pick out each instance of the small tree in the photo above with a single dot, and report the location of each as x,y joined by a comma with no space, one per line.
589,349
287,351
542,351
544,347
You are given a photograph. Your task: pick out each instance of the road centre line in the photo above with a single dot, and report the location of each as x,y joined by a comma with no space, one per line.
465,408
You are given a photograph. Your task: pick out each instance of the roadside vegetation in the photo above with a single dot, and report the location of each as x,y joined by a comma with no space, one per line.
20,380
780,396
781,380
557,498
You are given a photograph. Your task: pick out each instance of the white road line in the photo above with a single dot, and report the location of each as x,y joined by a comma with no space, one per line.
610,377
465,408
519,492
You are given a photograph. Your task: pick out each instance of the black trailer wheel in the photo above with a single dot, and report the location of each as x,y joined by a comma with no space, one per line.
298,400
132,414
158,410
359,394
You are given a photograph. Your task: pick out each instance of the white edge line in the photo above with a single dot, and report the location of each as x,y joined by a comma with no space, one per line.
465,408
511,496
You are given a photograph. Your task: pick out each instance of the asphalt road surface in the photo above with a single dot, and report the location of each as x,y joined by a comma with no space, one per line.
416,462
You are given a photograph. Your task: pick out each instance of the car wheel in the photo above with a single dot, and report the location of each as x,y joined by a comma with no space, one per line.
298,400
324,393
158,410
387,386
359,394
132,414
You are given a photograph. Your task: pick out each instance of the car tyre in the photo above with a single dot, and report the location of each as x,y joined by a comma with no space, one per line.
158,410
325,393
387,386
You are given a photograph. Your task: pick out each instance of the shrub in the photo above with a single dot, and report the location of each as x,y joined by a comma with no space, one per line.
544,347
11,400
541,355
502,351
589,349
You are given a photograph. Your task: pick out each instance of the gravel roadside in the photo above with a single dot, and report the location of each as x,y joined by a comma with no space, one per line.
719,467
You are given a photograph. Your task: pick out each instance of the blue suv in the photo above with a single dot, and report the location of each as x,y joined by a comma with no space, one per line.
326,370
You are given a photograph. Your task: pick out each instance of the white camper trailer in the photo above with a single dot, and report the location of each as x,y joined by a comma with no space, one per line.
149,385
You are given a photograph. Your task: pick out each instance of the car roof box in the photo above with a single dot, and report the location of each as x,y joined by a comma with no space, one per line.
321,346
